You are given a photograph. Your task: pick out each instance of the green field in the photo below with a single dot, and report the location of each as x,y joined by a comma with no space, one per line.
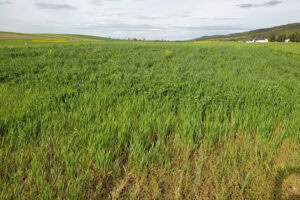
113,119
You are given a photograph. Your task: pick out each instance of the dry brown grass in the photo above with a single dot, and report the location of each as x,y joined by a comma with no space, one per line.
15,36
242,168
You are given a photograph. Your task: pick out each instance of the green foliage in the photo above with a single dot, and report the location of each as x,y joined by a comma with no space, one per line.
281,38
272,38
294,37
256,34
78,118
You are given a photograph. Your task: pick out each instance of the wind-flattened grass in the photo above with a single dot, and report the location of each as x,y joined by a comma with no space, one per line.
128,120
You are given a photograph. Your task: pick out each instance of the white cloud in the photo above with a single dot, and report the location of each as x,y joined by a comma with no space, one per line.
259,5
52,6
5,2
155,19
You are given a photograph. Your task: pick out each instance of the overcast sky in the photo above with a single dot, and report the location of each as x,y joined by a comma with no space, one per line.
150,19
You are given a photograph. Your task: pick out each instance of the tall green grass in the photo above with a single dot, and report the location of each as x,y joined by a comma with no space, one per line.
128,120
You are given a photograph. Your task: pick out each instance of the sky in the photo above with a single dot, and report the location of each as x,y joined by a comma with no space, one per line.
145,19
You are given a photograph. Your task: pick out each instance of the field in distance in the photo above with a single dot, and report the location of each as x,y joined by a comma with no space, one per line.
10,39
109,119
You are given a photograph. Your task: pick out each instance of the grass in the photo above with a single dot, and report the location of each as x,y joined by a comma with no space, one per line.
12,40
135,120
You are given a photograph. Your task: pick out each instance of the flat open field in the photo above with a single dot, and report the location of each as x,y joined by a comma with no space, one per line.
135,120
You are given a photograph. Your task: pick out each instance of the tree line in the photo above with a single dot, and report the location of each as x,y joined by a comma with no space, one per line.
294,37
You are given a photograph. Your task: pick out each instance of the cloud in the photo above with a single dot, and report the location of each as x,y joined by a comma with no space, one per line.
211,28
200,18
100,2
5,2
182,14
97,2
152,32
146,27
55,6
120,27
225,18
128,14
266,4
185,14
145,17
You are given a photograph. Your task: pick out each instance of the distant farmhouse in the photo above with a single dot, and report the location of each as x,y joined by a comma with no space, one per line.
262,41
258,41
250,41
288,40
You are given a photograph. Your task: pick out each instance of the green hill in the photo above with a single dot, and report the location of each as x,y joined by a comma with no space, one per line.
67,37
256,34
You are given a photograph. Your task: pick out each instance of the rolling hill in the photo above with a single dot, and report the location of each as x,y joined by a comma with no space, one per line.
67,37
255,34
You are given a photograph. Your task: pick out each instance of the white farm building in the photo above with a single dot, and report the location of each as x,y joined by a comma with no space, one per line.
262,41
258,41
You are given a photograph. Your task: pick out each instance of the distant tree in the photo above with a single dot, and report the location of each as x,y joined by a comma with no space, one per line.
272,38
278,38
292,37
297,37
284,38
281,38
